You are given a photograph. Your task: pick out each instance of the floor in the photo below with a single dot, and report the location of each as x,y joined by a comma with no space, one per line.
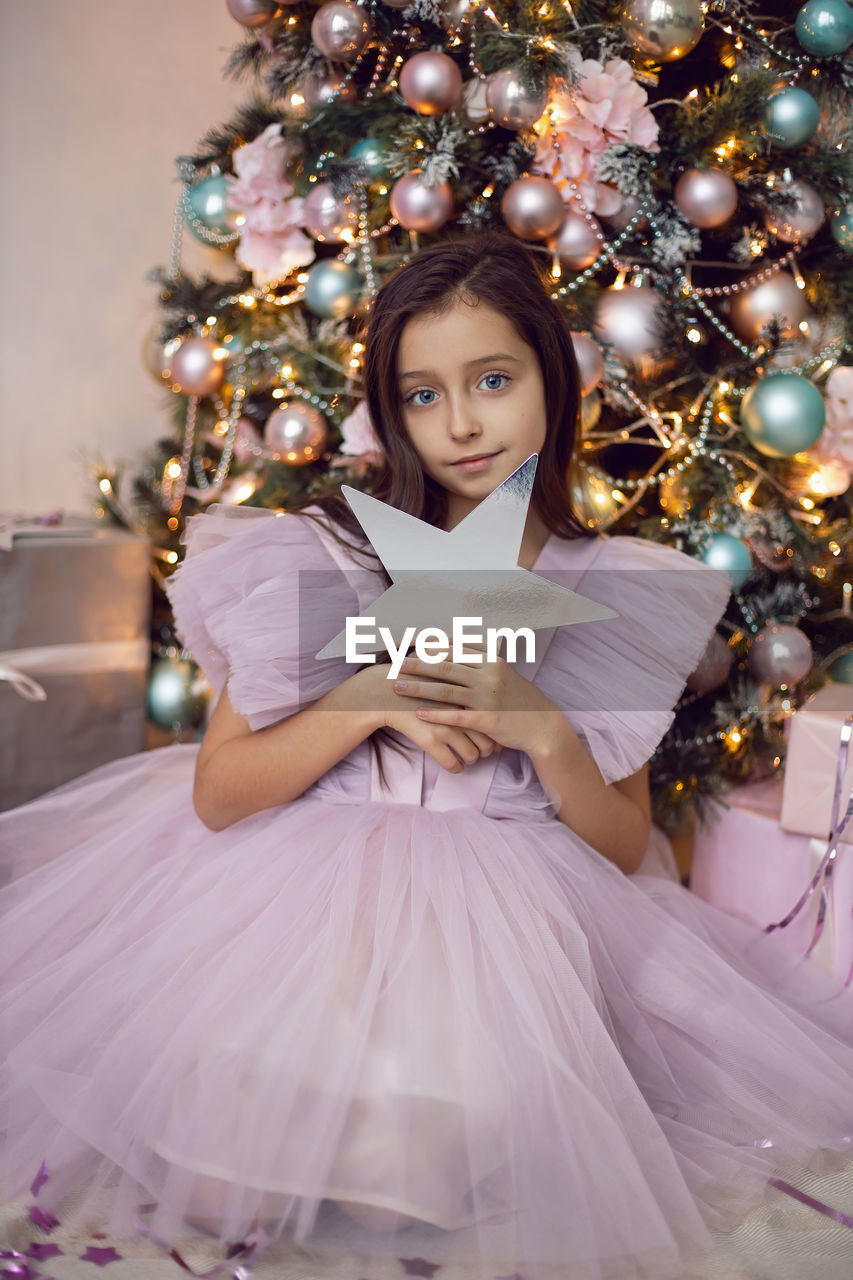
780,1240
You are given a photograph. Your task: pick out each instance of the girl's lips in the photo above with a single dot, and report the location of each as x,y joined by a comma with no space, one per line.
476,464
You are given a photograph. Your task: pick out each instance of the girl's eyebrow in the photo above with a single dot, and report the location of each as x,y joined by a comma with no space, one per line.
469,364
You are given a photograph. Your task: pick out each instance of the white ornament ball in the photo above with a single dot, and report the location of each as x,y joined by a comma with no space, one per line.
474,105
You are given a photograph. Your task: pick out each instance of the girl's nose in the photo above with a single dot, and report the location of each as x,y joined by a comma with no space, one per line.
463,422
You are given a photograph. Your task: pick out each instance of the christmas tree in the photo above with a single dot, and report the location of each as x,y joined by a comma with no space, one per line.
683,170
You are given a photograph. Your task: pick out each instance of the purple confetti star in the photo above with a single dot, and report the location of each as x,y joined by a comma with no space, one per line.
419,1267
42,1251
17,1270
100,1257
39,1180
41,1218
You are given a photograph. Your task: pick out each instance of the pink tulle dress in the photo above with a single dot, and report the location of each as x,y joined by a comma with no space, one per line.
432,999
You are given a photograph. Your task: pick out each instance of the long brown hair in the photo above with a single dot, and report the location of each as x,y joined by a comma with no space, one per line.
494,268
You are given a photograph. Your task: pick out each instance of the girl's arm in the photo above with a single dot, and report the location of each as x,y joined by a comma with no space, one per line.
495,699
240,771
615,819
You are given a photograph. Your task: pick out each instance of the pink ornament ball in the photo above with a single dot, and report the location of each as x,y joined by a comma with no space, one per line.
713,668
326,216
590,360
800,223
419,207
576,243
533,208
706,197
253,13
777,297
195,369
430,82
340,30
780,654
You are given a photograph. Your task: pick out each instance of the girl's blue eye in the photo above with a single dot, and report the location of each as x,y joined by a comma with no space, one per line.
495,381
422,391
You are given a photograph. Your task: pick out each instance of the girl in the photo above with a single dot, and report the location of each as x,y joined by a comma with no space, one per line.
369,968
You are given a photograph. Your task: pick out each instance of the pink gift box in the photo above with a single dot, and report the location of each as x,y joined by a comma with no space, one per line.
811,762
746,864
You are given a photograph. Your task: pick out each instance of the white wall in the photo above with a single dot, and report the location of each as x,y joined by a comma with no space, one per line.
97,97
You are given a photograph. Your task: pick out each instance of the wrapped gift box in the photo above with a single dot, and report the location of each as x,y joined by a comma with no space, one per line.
74,617
811,761
746,864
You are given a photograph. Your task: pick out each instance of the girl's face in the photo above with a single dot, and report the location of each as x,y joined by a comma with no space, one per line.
470,386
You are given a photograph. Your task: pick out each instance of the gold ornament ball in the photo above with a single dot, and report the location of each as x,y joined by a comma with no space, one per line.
591,495
663,30
157,355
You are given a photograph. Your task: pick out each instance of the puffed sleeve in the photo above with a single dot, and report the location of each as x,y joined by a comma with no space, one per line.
617,680
254,600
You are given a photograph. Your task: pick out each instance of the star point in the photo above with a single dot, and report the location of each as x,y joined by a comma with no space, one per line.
469,571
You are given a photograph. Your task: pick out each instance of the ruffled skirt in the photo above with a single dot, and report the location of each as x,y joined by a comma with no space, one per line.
380,1027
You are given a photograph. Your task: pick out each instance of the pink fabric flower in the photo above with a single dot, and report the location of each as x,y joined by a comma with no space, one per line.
261,165
835,443
270,256
271,240
358,434
605,105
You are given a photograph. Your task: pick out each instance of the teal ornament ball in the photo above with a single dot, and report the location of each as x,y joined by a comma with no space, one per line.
842,668
725,551
177,694
332,289
825,27
791,117
782,414
207,202
372,154
841,226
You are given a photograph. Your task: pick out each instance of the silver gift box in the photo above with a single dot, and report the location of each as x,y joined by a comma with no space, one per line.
74,623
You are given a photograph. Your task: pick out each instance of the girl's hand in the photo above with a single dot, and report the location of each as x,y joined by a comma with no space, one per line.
451,748
489,697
